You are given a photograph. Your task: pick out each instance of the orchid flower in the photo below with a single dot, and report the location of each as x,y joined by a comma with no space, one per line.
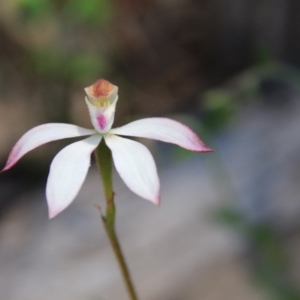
132,160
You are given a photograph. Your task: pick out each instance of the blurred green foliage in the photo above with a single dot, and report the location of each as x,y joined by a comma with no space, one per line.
218,109
63,56
218,106
35,10
60,66
267,257
92,12
61,44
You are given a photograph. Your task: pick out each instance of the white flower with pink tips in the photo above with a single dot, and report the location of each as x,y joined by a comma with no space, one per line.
132,160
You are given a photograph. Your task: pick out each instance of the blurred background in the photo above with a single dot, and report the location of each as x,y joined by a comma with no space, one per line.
229,223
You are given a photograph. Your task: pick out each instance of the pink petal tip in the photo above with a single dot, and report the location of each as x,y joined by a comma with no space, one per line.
157,200
12,158
52,213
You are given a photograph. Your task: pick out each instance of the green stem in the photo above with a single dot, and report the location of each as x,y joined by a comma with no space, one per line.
104,162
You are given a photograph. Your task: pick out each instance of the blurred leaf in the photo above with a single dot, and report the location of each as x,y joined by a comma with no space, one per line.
218,109
49,63
86,67
263,55
269,245
34,9
275,284
230,217
92,11
62,66
268,258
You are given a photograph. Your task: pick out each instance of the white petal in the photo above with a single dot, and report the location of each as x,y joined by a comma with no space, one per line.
136,167
42,134
67,173
165,130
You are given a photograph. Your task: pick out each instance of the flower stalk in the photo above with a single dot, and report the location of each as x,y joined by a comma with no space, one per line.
104,163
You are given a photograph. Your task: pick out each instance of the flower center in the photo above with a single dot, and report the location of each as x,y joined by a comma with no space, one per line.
100,102
102,93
